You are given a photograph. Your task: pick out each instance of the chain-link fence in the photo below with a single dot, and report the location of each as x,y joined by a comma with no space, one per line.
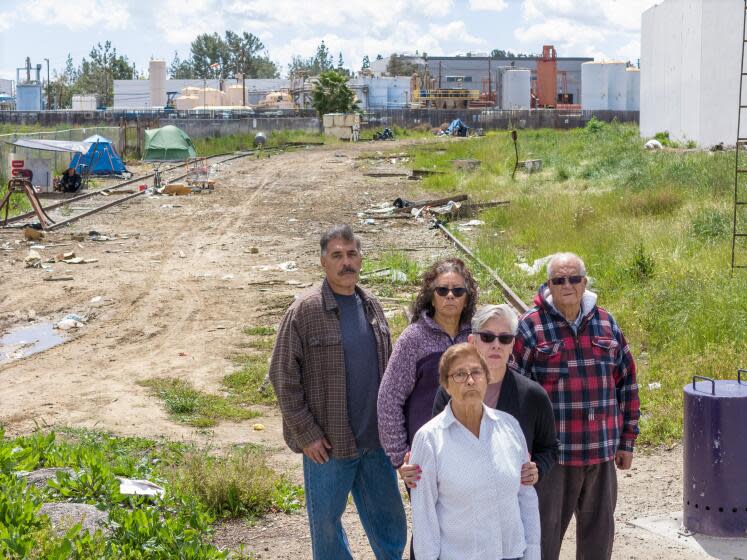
54,162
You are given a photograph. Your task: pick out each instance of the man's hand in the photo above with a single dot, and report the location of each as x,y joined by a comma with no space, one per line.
529,474
623,460
409,473
317,450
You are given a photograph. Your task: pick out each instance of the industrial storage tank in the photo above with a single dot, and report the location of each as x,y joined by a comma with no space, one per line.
617,86
28,97
516,89
235,95
594,86
604,86
186,102
157,81
634,89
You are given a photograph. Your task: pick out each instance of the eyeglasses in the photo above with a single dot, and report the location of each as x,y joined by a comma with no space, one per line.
560,280
443,291
462,375
489,337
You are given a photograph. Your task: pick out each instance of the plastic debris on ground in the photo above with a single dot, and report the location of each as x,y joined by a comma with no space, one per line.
136,487
288,266
71,321
33,260
535,267
654,386
472,224
653,145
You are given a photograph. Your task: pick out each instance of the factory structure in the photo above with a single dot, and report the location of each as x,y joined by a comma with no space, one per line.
545,81
690,58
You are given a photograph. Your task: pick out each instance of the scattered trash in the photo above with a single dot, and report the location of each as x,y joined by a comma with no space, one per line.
96,236
33,260
288,266
653,145
469,226
79,260
258,427
535,267
96,300
135,487
67,324
393,274
654,386
182,255
58,278
228,277
369,222
38,247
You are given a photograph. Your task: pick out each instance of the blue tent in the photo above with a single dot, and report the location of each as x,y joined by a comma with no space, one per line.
457,128
102,158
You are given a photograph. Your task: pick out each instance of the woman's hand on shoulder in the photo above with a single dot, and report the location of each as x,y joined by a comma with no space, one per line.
409,474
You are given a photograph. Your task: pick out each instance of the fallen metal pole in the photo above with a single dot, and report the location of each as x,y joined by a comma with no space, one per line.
508,293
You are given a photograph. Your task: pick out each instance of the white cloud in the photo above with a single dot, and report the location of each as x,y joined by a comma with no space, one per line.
454,31
487,5
76,14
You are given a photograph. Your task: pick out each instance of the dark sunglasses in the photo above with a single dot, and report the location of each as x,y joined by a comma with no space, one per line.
443,291
560,280
488,337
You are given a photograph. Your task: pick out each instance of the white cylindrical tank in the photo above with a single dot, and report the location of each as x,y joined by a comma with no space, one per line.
633,102
594,86
186,102
516,89
157,80
617,86
235,95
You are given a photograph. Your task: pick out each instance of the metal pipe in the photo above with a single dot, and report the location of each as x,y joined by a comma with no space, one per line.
508,293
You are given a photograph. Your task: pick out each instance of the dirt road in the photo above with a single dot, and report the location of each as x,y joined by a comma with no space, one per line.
170,294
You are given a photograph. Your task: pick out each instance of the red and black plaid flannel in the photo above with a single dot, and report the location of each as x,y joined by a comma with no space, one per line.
590,377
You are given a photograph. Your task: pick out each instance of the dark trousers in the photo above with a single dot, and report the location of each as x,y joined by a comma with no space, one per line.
588,492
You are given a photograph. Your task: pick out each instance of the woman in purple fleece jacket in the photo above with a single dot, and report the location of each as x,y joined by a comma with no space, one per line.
441,317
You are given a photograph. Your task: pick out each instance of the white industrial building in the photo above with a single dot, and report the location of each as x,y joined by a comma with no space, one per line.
690,56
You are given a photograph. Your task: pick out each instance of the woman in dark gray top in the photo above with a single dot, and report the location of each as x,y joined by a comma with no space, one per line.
493,330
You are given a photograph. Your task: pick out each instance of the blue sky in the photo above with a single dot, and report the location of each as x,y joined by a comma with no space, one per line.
140,29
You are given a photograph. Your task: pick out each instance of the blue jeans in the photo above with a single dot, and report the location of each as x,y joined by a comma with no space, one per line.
373,482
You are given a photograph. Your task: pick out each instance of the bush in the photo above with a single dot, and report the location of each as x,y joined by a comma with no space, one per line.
594,125
709,224
240,484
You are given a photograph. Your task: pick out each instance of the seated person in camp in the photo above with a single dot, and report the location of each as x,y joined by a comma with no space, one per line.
70,181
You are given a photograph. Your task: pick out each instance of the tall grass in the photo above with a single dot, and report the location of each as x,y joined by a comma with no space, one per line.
652,227
211,146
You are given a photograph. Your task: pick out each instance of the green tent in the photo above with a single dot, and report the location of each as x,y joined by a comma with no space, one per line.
168,143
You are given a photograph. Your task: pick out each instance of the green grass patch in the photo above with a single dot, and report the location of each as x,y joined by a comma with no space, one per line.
246,384
186,404
260,331
200,487
652,226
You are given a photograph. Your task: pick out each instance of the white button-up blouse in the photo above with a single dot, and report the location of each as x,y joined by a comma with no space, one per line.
469,503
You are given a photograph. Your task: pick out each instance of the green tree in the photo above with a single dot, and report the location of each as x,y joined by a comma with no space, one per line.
208,50
96,75
331,94
341,67
366,63
181,69
312,66
245,55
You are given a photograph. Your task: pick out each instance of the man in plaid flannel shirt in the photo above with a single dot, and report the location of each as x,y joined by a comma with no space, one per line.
332,347
577,352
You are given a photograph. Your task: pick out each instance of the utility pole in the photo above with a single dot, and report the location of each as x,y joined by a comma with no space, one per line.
243,77
49,94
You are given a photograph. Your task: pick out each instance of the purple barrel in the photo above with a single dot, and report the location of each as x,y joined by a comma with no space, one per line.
715,460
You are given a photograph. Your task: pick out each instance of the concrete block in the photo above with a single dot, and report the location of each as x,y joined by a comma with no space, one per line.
328,120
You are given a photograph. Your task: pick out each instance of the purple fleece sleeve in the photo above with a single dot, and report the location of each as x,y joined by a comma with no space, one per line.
396,386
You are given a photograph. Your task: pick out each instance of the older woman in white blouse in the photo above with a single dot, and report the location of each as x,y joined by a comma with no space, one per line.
469,503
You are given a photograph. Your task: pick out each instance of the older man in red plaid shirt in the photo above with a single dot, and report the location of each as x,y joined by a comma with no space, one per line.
577,352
